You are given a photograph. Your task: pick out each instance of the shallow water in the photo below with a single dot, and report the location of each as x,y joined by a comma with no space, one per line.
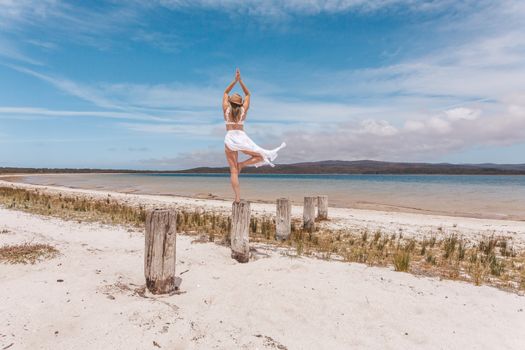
488,196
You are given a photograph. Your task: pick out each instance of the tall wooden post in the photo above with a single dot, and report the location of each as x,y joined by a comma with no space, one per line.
309,213
159,255
240,229
322,207
283,219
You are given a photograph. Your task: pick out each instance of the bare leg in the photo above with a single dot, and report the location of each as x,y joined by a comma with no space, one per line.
250,161
255,158
231,157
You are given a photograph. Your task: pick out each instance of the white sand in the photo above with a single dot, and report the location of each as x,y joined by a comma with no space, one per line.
300,303
410,224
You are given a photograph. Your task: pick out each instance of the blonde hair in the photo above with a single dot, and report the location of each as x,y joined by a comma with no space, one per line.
235,112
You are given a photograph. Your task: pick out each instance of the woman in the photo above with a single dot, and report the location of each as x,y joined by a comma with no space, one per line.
234,109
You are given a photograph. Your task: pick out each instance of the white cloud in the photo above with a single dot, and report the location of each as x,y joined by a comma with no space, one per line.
462,113
426,139
439,125
414,125
377,127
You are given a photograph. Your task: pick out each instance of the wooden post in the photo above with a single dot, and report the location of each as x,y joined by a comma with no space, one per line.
159,256
283,219
309,213
240,231
322,207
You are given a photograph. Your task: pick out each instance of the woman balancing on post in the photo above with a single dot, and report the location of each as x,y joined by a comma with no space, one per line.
236,140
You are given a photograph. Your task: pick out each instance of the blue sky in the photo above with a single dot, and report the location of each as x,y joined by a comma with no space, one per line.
138,84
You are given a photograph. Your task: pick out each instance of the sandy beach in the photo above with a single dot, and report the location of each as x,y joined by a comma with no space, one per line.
89,298
92,296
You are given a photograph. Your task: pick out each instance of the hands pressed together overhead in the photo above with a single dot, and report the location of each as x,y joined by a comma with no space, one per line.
237,79
237,75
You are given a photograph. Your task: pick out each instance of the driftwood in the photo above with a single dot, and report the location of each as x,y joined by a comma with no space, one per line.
240,231
309,213
159,256
283,219
322,207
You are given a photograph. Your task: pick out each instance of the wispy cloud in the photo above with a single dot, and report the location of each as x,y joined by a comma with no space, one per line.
103,27
185,160
12,52
67,20
42,44
168,42
189,130
176,96
14,112
283,9
459,94
70,87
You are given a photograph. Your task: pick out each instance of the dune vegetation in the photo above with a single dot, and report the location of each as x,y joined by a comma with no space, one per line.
489,261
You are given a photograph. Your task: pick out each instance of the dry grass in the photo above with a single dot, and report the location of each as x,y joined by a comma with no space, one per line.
27,253
72,207
401,260
491,261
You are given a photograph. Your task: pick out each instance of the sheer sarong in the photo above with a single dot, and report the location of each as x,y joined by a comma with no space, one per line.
237,140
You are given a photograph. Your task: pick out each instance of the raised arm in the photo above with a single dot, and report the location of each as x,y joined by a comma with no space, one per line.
246,103
225,101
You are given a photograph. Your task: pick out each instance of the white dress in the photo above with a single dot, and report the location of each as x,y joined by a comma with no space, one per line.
238,140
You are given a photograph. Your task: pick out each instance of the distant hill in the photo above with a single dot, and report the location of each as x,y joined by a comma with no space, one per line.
322,167
374,167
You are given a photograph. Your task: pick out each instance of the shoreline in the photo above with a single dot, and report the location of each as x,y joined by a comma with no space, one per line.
358,204
416,225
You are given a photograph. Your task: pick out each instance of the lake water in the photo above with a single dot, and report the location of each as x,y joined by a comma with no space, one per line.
463,195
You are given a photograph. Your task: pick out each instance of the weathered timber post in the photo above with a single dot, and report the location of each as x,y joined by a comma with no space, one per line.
322,207
309,213
159,255
240,229
283,219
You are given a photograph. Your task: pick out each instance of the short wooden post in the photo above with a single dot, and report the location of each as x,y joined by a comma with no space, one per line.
283,219
322,207
240,229
309,213
159,256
